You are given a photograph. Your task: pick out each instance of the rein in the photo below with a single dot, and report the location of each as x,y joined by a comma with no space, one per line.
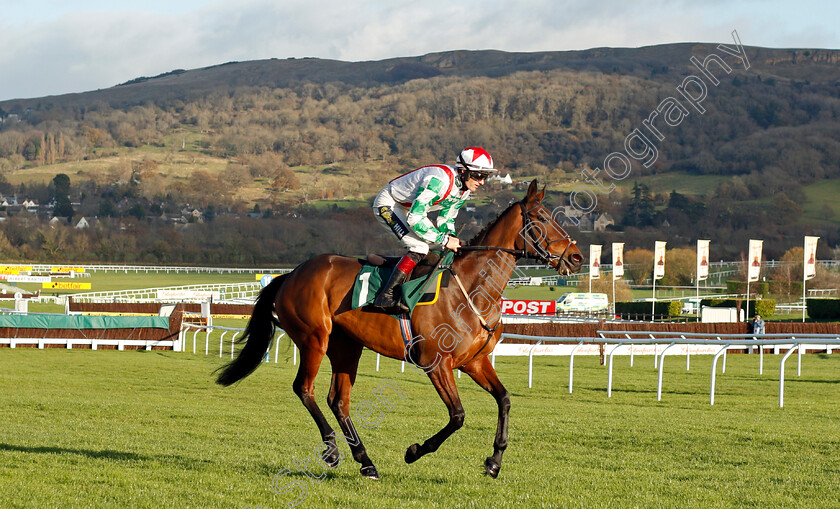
543,255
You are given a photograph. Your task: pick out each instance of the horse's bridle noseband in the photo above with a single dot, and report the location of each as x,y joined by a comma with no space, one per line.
540,253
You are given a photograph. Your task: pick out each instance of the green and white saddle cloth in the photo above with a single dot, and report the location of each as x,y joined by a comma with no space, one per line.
371,278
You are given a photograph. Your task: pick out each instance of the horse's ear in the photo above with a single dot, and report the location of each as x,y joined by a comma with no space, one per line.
533,195
532,191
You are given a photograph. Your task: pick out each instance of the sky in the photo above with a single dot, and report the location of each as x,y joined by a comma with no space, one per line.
52,47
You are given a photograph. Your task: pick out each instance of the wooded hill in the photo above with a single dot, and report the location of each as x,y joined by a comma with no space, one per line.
286,134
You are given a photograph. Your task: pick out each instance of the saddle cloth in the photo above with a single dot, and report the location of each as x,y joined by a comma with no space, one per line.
371,278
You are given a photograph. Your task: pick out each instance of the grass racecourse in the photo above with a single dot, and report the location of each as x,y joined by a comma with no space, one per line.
84,428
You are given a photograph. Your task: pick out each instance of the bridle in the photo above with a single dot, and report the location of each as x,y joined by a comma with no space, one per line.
540,252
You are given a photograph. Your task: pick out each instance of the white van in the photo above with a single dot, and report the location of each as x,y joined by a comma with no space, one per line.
691,305
583,302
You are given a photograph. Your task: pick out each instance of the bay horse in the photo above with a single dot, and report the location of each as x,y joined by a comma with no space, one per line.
312,304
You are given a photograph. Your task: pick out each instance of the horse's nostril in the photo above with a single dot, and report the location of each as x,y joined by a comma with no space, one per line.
577,258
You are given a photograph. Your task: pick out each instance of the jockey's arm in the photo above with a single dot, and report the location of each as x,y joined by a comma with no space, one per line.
431,190
446,216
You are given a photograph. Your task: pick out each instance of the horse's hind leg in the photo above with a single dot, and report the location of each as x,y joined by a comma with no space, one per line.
344,357
304,387
482,371
444,382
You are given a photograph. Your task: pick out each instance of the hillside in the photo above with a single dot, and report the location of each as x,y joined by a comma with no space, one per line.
299,138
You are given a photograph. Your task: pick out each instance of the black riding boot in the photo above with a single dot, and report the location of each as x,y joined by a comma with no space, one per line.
389,298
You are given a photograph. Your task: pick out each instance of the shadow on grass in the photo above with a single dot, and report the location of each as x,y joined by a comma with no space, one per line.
103,454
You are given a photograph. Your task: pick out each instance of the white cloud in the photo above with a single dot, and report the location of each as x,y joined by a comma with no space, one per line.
104,45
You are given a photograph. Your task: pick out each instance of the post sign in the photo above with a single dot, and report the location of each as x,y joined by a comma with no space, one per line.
528,307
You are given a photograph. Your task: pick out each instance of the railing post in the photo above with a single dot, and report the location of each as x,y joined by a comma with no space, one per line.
221,343
782,375
277,346
610,369
531,362
761,360
661,367
572,365
714,372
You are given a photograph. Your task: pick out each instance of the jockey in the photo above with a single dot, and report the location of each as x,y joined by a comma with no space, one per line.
403,208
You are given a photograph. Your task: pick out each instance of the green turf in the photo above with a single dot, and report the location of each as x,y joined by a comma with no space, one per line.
150,429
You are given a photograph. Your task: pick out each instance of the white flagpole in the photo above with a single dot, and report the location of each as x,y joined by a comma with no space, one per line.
804,272
747,316
653,302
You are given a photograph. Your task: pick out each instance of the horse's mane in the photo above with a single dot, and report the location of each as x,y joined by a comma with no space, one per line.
480,236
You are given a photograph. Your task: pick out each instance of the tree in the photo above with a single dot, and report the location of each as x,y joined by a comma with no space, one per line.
640,212
638,265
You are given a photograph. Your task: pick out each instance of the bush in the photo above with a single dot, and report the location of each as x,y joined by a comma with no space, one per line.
763,307
771,287
823,309
669,308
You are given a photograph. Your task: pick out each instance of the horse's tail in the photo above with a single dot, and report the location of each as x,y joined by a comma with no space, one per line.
257,336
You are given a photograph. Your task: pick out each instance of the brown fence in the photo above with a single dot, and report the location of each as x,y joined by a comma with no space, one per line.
151,308
29,337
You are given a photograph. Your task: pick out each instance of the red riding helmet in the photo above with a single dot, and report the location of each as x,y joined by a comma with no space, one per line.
476,160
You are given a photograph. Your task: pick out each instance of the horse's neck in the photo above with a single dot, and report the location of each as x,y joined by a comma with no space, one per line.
491,269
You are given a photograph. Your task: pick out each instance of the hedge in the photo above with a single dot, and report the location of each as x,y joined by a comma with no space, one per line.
822,309
670,308
771,287
763,307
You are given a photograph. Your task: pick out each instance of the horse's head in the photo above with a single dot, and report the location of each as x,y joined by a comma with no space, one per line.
543,237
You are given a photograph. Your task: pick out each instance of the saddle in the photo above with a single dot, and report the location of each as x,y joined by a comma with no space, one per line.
377,268
422,269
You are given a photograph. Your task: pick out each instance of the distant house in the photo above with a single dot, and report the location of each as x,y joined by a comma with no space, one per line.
500,180
55,222
30,206
586,224
602,221
82,224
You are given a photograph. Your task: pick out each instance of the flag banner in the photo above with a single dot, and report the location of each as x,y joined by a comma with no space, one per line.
702,260
594,262
754,260
618,259
810,257
659,260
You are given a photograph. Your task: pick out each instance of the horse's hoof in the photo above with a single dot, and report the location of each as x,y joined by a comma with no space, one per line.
412,454
369,472
491,468
331,461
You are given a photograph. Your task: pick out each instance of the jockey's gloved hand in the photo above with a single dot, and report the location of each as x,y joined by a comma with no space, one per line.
453,243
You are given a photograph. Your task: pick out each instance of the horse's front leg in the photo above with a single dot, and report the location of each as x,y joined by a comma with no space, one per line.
482,371
444,382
